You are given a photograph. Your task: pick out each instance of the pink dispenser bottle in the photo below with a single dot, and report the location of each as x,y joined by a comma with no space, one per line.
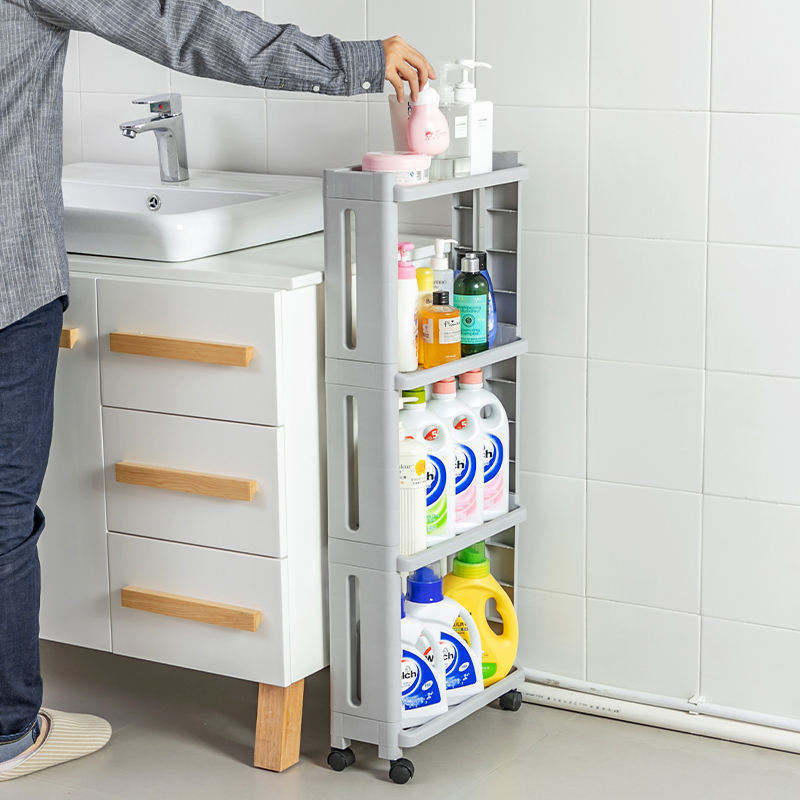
428,131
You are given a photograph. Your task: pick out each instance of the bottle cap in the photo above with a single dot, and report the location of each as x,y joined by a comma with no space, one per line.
428,96
471,562
445,386
441,298
470,263
424,586
472,378
415,397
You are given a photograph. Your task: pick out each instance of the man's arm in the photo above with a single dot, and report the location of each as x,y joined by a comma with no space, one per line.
212,40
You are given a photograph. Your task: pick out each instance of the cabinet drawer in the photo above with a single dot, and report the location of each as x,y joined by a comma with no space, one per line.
171,587
206,482
203,351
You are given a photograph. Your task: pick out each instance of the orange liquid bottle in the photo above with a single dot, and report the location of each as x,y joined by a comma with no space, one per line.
440,326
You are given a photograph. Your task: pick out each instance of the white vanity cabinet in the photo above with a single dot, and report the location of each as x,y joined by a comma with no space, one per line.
184,497
72,549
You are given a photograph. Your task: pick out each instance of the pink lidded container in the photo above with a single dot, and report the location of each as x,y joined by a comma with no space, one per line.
409,169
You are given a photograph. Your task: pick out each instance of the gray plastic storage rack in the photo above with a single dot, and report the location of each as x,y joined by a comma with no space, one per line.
363,386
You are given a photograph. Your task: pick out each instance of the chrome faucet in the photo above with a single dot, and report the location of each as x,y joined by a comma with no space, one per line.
167,124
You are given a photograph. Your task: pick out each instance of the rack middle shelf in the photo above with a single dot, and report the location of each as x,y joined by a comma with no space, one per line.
514,516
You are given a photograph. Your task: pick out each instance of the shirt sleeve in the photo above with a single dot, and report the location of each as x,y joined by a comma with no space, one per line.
212,40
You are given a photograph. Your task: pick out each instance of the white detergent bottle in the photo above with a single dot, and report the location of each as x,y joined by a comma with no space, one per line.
424,426
463,424
422,676
463,660
413,520
494,424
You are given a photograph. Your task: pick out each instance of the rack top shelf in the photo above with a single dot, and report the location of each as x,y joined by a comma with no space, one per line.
353,184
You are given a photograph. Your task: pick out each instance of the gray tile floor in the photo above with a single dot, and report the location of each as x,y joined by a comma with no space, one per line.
180,734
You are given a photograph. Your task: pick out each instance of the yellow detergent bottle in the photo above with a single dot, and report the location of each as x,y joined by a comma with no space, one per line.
471,584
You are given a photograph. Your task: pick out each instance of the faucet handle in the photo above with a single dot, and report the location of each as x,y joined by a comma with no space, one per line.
165,105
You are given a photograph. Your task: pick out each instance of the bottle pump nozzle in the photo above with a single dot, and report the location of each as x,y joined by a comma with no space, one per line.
404,249
439,260
464,90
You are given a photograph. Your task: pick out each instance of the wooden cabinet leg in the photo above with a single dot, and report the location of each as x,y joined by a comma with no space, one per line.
280,717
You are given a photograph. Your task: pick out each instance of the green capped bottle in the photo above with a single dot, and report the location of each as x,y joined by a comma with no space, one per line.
471,298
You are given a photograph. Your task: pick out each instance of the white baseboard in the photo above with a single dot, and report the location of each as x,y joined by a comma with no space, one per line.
695,717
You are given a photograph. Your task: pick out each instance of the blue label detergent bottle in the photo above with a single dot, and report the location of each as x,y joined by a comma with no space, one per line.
462,661
422,675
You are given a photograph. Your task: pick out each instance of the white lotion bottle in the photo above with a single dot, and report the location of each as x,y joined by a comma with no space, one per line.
471,122
407,294
440,264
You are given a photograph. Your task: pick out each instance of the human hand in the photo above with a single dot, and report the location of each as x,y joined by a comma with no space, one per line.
404,63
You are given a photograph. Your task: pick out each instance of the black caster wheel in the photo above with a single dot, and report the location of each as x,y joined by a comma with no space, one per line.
341,759
401,771
511,701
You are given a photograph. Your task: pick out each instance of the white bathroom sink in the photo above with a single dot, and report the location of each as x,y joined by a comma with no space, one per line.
126,211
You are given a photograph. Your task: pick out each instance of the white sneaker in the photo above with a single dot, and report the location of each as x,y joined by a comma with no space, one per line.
64,737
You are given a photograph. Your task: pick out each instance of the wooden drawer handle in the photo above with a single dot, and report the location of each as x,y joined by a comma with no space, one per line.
178,480
176,605
69,338
138,344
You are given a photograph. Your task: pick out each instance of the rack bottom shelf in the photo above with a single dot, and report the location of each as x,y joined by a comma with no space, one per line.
411,737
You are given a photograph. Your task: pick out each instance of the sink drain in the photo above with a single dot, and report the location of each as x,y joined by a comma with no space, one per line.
154,202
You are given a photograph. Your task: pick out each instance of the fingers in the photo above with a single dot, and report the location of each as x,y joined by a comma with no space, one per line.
411,76
420,65
397,83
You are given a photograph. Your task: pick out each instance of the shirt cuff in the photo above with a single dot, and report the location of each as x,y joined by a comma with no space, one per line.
365,66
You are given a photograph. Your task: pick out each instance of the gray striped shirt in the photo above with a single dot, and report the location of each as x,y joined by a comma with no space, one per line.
199,37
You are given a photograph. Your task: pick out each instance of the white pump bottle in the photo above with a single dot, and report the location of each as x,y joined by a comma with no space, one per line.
440,264
471,122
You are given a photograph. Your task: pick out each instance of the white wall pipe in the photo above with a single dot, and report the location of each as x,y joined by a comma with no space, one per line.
704,719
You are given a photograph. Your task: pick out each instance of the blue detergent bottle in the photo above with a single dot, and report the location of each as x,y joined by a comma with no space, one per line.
458,254
422,672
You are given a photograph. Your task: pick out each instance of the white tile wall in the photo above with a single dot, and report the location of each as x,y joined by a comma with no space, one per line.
751,667
554,287
539,50
753,302
644,546
553,438
644,425
753,437
630,166
554,628
755,179
649,174
555,149
751,560
552,542
646,649
755,55
651,55
647,301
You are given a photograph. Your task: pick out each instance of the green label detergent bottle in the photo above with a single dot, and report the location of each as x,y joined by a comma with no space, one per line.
425,427
471,584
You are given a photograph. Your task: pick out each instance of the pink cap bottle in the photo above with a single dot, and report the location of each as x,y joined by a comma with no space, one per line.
445,386
405,269
427,127
472,378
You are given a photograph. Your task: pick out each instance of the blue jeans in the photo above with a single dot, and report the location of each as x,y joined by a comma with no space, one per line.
28,356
